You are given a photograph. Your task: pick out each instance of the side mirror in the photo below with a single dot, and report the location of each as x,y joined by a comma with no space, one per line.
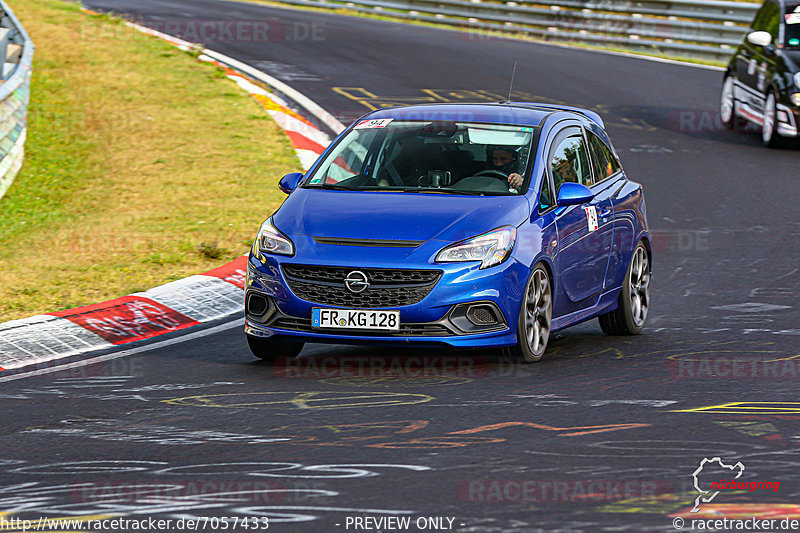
759,38
574,194
289,182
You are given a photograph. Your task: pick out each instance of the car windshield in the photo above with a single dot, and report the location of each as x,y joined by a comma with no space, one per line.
444,157
791,38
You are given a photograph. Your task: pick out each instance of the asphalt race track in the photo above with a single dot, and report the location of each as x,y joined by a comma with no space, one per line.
603,435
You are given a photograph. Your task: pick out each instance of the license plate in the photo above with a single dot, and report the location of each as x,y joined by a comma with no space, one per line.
355,319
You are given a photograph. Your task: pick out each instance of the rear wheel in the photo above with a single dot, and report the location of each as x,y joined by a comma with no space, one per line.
535,317
634,300
271,348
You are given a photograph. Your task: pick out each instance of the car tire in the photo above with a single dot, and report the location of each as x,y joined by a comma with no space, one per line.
634,299
769,128
727,105
535,318
269,349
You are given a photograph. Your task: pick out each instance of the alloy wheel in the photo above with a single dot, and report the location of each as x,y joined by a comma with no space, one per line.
538,312
640,286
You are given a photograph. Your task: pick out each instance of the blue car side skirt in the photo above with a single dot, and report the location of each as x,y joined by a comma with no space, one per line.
608,301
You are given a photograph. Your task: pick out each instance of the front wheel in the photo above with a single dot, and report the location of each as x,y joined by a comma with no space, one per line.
769,127
269,349
634,299
727,104
535,317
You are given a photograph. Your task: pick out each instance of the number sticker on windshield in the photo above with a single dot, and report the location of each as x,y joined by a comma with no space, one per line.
375,123
793,18
591,217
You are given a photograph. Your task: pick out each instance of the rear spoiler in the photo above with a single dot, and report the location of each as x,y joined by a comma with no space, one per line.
591,115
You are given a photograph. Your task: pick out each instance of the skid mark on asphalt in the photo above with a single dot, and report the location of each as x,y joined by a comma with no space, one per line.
365,434
302,400
240,496
586,430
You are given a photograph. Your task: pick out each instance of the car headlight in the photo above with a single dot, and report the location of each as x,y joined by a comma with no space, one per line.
271,241
795,98
490,248
797,80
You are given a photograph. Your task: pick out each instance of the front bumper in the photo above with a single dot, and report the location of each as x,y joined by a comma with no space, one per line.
788,119
436,319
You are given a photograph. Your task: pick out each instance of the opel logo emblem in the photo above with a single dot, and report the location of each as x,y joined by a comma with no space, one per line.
356,282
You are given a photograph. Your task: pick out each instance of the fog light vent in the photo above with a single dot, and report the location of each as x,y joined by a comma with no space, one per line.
259,307
481,315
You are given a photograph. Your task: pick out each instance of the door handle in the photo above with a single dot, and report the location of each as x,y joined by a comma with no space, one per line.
604,213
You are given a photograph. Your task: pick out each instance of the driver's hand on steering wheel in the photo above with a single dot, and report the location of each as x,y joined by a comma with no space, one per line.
515,180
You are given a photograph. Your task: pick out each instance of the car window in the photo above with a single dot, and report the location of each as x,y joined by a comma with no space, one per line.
546,200
349,158
792,28
412,156
605,164
569,162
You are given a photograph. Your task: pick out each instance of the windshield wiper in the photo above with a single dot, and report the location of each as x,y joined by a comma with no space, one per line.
445,191
332,186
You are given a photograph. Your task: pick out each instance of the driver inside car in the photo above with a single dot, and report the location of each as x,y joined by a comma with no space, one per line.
505,160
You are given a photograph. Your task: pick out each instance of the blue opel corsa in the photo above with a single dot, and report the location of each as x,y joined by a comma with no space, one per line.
469,225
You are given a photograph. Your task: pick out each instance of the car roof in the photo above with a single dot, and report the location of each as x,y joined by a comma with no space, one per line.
522,113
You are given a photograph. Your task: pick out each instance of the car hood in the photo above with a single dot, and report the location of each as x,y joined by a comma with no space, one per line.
396,216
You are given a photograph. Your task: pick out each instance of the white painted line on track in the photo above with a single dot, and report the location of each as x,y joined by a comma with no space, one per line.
298,97
124,353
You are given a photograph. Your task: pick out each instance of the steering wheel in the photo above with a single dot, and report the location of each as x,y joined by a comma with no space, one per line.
499,174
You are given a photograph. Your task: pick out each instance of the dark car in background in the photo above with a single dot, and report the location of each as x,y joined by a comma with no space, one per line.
762,81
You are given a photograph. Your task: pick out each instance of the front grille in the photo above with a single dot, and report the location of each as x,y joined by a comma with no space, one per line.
431,329
376,243
388,287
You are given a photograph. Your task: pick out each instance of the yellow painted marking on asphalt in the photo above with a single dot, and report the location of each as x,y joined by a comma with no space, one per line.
783,359
741,408
655,504
373,101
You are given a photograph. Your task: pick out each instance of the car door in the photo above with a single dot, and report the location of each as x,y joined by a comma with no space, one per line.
609,181
584,231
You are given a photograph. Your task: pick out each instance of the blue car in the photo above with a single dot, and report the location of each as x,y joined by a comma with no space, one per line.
468,225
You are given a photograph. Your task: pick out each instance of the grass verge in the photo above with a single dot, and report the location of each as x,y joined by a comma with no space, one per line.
142,166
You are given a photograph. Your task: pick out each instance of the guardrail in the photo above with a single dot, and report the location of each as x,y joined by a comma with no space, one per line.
706,29
16,54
